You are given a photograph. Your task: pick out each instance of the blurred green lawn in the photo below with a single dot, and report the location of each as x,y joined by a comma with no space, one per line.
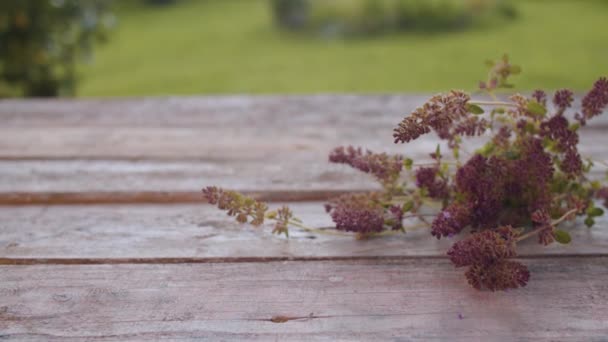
231,46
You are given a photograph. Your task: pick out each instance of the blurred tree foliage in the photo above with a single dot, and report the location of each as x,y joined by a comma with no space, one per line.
42,40
291,14
368,17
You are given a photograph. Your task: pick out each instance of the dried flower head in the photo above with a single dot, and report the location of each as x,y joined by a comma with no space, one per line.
384,167
284,214
451,220
563,99
485,247
428,178
236,204
498,276
360,213
558,129
540,96
438,114
596,100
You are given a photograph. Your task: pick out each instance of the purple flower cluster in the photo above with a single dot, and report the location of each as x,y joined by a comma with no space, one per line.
236,204
360,213
440,114
532,174
540,96
481,180
428,178
499,276
563,99
484,247
470,127
486,254
451,220
558,129
596,100
498,190
384,167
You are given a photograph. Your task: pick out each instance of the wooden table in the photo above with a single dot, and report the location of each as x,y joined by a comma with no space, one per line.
104,234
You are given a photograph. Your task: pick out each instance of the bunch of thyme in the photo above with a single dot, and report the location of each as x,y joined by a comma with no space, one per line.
522,183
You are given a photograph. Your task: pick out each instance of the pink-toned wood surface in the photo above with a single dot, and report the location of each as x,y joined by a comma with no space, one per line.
104,234
175,145
362,300
199,233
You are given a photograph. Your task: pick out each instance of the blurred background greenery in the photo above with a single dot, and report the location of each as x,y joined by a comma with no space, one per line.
165,47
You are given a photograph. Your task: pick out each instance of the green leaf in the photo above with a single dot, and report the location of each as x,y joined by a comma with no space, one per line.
407,163
438,151
589,222
594,211
562,236
487,149
475,109
536,108
407,206
511,155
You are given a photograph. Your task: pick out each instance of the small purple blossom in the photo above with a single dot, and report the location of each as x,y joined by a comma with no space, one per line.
557,128
428,178
563,99
572,165
540,96
451,220
596,99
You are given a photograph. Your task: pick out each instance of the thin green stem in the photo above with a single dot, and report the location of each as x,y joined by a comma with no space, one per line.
394,232
596,161
553,225
315,230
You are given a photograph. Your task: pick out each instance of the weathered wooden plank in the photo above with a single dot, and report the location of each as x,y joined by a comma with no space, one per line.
400,300
253,143
240,141
170,233
216,111
47,176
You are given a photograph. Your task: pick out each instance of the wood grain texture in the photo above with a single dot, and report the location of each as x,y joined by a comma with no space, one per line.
400,300
201,233
253,143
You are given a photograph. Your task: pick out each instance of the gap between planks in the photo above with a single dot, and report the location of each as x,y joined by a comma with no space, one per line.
156,197
222,260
